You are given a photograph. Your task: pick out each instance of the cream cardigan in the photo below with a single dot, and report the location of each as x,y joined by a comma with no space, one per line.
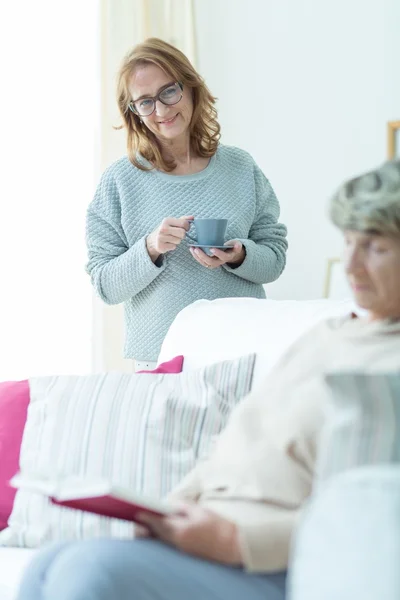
261,469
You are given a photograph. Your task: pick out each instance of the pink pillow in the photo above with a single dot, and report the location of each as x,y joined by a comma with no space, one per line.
171,366
14,401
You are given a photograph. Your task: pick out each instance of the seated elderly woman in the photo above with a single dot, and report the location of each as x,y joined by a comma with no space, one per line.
232,533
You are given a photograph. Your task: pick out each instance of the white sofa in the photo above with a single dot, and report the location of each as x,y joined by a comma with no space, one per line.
210,331
206,332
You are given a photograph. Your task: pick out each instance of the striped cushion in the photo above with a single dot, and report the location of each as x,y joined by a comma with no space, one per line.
363,422
142,432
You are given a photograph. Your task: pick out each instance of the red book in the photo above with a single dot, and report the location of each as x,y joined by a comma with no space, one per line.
95,496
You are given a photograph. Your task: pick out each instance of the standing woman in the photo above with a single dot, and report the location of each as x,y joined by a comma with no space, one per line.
175,170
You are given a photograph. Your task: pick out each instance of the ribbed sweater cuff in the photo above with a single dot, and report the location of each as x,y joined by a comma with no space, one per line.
253,267
134,272
142,268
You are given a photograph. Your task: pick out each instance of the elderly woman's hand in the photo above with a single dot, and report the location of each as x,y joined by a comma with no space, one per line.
234,256
196,531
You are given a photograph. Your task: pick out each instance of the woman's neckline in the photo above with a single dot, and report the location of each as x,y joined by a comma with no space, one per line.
206,172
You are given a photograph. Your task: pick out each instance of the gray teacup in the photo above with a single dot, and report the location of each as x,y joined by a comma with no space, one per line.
209,232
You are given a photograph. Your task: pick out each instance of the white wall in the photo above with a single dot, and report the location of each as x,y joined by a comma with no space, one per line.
324,77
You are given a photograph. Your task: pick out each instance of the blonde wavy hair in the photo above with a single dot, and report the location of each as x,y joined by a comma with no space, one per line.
204,127
370,203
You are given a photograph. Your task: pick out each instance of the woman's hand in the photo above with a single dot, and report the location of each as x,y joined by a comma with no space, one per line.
196,531
234,256
167,236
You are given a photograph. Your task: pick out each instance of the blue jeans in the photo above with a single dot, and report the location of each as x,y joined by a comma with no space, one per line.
138,570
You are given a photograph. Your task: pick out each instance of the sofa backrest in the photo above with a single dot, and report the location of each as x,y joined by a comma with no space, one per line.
210,331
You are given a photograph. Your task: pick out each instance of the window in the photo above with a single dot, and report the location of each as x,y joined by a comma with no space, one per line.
48,172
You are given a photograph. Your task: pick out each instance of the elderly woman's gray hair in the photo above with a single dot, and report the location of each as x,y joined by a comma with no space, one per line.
370,202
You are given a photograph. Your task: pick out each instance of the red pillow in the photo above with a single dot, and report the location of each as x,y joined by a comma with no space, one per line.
171,366
14,401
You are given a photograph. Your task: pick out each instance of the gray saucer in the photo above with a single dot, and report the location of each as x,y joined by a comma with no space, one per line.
208,248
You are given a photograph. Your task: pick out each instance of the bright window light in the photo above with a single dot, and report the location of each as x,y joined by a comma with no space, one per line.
49,126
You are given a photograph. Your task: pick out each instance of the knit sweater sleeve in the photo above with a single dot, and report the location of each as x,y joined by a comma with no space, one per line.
118,271
267,244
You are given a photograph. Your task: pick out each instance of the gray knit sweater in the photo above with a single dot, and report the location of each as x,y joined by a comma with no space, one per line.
130,203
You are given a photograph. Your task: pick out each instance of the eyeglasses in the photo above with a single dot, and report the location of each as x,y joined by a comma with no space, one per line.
169,95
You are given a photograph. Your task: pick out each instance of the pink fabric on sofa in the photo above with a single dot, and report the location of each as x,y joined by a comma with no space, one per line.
171,366
14,401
